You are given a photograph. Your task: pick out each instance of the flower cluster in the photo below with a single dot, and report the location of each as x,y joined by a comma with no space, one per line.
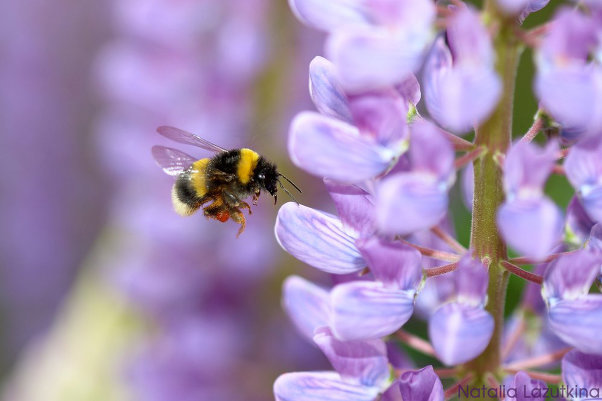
400,82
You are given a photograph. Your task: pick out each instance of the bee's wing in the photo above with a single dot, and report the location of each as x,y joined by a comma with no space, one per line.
178,135
172,161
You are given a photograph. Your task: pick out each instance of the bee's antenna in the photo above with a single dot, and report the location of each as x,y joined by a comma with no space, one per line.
287,192
290,182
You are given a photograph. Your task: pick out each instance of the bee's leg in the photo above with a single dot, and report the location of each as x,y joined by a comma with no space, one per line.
256,197
245,205
238,217
234,202
217,211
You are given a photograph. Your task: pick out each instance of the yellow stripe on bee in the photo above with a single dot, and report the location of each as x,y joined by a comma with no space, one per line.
246,164
197,176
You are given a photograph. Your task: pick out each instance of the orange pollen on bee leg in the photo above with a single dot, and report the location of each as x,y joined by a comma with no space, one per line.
222,216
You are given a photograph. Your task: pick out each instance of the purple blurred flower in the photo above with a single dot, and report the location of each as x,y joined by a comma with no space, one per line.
373,45
529,221
417,199
460,329
461,87
574,315
568,85
584,170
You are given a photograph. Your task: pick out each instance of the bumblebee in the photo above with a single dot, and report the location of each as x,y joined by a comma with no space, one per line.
225,180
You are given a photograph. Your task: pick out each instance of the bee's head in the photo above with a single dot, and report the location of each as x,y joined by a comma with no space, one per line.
266,176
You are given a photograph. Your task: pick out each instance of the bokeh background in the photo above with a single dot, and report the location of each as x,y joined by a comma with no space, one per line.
105,293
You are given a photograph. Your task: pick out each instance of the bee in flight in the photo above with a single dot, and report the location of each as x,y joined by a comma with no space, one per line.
226,179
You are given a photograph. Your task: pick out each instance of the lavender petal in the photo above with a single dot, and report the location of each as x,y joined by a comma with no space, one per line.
382,115
307,304
319,386
582,370
366,310
354,205
393,263
531,226
410,202
459,332
526,388
421,385
362,361
331,148
470,280
430,151
570,276
326,91
578,222
527,167
579,323
376,58
318,239
330,15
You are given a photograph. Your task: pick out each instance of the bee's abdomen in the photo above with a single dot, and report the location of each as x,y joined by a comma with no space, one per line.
184,197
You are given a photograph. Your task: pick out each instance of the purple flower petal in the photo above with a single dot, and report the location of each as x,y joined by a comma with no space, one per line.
421,385
376,58
595,238
410,202
318,239
364,362
470,280
355,206
570,38
320,386
592,202
364,310
382,115
459,96
513,6
573,96
531,226
469,39
330,15
331,148
394,264
430,151
392,393
409,89
526,388
307,304
578,222
584,170
579,323
326,91
582,370
571,275
534,5
527,167
460,332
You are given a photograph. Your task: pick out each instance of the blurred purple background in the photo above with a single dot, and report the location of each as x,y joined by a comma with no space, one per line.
105,292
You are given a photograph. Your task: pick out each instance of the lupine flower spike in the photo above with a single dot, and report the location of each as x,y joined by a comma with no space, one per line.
400,81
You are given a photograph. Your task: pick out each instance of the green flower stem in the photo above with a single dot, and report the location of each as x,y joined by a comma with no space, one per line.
495,136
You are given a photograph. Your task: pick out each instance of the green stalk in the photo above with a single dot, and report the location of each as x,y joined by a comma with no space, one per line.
495,136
